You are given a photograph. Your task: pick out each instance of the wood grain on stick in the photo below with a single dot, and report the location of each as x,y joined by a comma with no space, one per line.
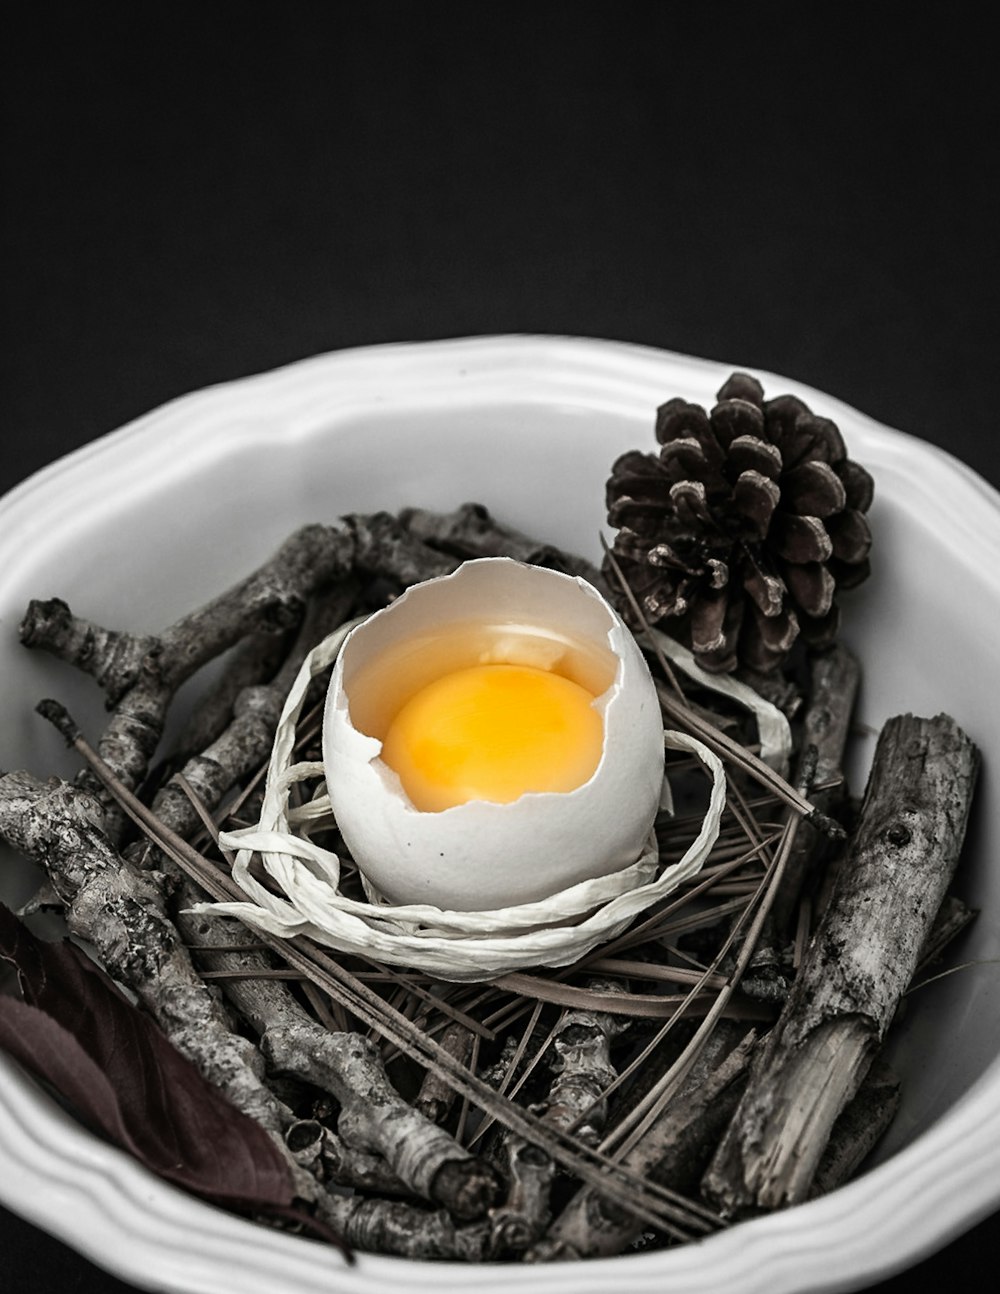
856,968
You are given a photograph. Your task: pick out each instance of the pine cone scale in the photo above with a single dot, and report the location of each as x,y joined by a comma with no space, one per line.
812,585
754,500
851,537
750,453
801,539
814,490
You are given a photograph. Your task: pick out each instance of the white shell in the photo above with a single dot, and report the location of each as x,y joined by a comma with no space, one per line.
480,855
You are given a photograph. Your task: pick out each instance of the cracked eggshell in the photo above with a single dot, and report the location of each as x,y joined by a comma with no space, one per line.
480,855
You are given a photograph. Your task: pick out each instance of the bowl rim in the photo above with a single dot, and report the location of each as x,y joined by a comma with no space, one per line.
98,1200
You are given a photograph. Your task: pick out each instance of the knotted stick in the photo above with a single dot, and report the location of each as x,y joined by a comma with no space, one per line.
245,743
857,967
141,673
673,1153
580,1058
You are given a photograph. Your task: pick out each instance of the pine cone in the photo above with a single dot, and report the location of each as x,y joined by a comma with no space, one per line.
736,537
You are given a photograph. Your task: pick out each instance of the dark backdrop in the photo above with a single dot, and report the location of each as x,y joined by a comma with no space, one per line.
198,192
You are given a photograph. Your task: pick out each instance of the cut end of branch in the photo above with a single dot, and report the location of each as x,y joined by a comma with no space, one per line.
41,620
60,718
468,1187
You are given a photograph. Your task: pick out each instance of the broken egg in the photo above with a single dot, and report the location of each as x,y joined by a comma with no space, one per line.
491,738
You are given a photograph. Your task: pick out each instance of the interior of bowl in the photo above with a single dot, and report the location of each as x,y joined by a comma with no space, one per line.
155,519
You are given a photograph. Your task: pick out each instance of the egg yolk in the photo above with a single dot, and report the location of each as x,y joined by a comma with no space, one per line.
493,732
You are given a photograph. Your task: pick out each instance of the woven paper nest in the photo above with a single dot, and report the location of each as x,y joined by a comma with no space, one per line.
304,893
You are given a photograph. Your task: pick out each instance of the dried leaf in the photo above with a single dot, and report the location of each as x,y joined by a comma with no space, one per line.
77,1032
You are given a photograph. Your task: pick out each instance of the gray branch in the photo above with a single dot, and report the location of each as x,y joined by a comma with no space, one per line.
856,968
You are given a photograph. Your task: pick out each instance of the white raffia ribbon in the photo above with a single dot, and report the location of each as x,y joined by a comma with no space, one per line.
772,726
554,931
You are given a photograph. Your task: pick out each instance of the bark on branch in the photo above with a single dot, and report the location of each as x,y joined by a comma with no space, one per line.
579,1056
856,968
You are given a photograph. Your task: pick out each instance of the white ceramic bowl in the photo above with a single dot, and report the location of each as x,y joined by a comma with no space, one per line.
149,521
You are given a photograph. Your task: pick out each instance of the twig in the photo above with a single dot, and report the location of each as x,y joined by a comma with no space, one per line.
674,1150
858,965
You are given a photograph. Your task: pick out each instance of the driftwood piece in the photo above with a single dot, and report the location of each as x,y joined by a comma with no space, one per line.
673,1153
579,1055
857,966
141,673
245,742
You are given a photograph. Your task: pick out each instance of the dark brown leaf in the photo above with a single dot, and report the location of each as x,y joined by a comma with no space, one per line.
77,1032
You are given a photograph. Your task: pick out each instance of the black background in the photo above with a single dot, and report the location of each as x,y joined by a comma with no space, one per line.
198,192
